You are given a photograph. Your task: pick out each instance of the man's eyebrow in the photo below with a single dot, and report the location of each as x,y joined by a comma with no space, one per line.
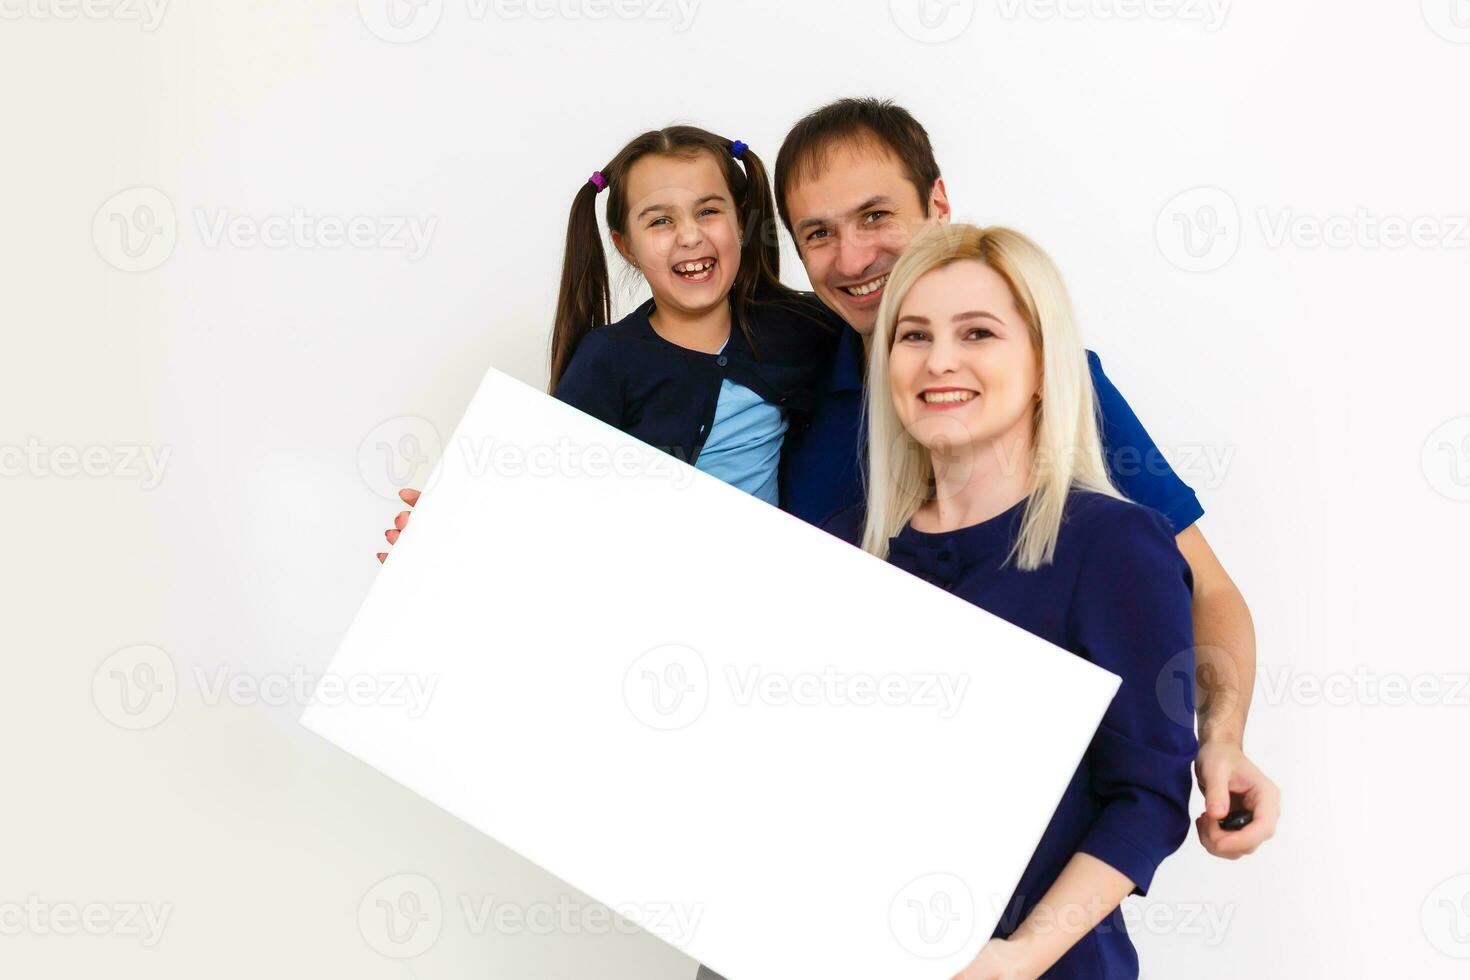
867,205
669,207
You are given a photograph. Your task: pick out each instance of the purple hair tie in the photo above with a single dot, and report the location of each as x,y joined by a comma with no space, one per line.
738,148
598,180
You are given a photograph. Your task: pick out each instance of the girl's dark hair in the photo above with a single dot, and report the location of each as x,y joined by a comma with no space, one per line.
585,302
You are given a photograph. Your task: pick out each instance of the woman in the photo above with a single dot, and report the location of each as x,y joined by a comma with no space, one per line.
987,478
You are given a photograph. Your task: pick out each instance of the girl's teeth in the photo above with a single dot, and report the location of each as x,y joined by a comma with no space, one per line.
948,396
691,267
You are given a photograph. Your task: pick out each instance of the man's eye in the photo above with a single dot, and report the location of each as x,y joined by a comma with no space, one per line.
819,233
874,214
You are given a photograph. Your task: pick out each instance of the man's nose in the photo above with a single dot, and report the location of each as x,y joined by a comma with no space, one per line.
854,258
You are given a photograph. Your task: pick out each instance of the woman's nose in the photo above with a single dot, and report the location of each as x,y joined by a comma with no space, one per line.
941,357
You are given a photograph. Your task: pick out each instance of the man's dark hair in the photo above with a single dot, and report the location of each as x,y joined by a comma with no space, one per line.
855,121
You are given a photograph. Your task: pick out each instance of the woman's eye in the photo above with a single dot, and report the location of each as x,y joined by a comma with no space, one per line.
980,333
912,335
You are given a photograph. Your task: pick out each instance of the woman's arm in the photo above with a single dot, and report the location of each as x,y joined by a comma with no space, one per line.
1086,893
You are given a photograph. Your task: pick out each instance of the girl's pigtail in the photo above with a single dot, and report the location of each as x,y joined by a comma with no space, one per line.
585,301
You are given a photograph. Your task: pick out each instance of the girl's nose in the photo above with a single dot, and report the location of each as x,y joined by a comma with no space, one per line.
690,234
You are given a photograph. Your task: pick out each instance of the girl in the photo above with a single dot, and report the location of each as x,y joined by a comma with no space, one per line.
710,367
987,479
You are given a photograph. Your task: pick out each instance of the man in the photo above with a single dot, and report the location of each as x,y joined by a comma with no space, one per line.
855,181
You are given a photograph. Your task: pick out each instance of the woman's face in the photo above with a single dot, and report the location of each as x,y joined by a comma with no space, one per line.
962,368
683,231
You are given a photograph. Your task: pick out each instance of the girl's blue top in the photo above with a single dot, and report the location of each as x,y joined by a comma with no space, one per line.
744,444
1118,594
673,398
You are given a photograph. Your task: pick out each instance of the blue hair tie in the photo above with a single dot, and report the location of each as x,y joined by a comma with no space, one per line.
738,148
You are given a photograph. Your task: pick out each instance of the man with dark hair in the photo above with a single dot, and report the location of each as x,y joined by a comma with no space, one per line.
855,182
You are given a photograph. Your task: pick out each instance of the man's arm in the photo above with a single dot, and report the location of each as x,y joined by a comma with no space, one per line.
1225,665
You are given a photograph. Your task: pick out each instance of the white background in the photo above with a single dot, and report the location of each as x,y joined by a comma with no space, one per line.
1313,393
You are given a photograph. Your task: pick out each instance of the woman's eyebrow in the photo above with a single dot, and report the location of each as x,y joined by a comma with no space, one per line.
669,207
975,315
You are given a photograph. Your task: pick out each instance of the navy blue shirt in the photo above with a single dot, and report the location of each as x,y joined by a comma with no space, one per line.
630,377
1117,594
824,462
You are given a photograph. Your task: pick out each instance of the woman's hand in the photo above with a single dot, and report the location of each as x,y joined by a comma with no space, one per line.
410,497
1001,959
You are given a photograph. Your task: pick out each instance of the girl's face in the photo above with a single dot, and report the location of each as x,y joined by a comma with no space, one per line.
683,231
962,368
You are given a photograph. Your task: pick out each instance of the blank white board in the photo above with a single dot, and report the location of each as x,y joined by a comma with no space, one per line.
779,753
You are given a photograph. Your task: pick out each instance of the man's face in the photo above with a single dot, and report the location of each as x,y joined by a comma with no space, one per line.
852,221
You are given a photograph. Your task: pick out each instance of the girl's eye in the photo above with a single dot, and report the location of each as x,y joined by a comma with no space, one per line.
710,211
656,221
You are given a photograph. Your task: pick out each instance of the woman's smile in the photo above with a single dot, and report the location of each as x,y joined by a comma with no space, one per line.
946,399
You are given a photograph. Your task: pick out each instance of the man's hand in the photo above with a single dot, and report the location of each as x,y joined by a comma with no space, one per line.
1225,775
400,522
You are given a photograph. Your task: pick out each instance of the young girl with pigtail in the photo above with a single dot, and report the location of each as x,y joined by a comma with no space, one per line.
710,367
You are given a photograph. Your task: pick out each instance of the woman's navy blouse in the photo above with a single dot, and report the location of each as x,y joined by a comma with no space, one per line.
1118,594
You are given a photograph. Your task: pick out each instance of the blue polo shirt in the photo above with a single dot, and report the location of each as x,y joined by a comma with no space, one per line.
824,462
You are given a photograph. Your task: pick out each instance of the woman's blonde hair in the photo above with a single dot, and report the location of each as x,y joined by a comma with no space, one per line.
1066,449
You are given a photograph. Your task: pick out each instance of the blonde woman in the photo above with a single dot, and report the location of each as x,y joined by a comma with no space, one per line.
986,477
